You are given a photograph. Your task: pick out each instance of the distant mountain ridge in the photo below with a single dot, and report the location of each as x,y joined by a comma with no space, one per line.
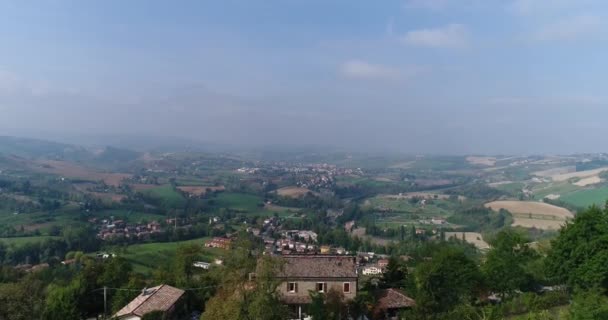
42,149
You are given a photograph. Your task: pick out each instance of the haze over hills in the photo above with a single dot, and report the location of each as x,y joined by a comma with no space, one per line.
304,159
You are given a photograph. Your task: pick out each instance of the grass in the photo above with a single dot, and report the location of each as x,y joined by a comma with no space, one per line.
512,188
148,256
19,241
587,197
404,211
240,201
560,188
168,195
130,216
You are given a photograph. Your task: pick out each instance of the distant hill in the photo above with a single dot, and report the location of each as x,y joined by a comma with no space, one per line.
34,148
42,149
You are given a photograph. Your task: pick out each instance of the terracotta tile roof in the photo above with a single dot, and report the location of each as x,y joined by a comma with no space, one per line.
393,299
160,298
318,266
289,299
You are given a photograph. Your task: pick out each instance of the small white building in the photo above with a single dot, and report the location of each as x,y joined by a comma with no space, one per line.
371,270
202,265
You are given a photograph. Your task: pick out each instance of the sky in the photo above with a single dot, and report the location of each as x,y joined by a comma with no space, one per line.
413,76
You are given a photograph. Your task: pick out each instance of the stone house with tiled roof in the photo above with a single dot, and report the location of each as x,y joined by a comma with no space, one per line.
162,298
299,275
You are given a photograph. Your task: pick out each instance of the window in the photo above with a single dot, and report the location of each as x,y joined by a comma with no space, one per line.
346,287
321,286
292,287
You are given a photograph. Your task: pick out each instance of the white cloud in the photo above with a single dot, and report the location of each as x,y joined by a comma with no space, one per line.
365,70
450,36
569,29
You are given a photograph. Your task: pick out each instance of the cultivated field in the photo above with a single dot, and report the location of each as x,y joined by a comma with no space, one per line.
578,174
473,238
483,161
585,198
75,171
554,171
588,181
293,192
531,214
200,190
527,207
538,223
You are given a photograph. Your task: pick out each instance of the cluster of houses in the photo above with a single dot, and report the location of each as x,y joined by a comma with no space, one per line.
219,242
433,221
298,276
110,229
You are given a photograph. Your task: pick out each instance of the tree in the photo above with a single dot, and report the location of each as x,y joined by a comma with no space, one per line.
226,304
183,266
22,300
449,279
317,306
263,302
589,305
62,302
579,254
395,273
154,315
505,266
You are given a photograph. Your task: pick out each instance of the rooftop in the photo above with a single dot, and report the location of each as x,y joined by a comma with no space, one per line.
160,298
318,266
393,299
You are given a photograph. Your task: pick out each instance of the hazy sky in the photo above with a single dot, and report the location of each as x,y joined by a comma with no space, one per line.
441,76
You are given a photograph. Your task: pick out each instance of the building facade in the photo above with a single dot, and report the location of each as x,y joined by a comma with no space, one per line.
301,275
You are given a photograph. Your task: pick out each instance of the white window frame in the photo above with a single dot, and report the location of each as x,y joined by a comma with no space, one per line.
295,287
324,286
344,286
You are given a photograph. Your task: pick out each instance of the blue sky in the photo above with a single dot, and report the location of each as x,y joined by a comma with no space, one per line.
438,76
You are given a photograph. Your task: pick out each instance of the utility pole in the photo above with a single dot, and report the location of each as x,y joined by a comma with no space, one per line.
105,299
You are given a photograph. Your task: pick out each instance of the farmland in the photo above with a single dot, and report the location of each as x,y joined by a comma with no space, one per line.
18,241
75,171
146,257
293,192
587,197
167,195
474,238
531,214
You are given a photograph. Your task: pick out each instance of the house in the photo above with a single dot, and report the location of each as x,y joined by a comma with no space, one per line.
390,302
202,265
223,243
438,221
162,298
154,226
371,270
382,263
348,226
318,273
325,249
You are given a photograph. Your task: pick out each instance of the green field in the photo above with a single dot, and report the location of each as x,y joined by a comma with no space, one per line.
561,188
130,216
18,241
588,197
240,201
168,195
512,188
404,212
148,256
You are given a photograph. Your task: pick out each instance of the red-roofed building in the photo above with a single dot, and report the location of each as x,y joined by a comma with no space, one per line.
163,298
223,243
